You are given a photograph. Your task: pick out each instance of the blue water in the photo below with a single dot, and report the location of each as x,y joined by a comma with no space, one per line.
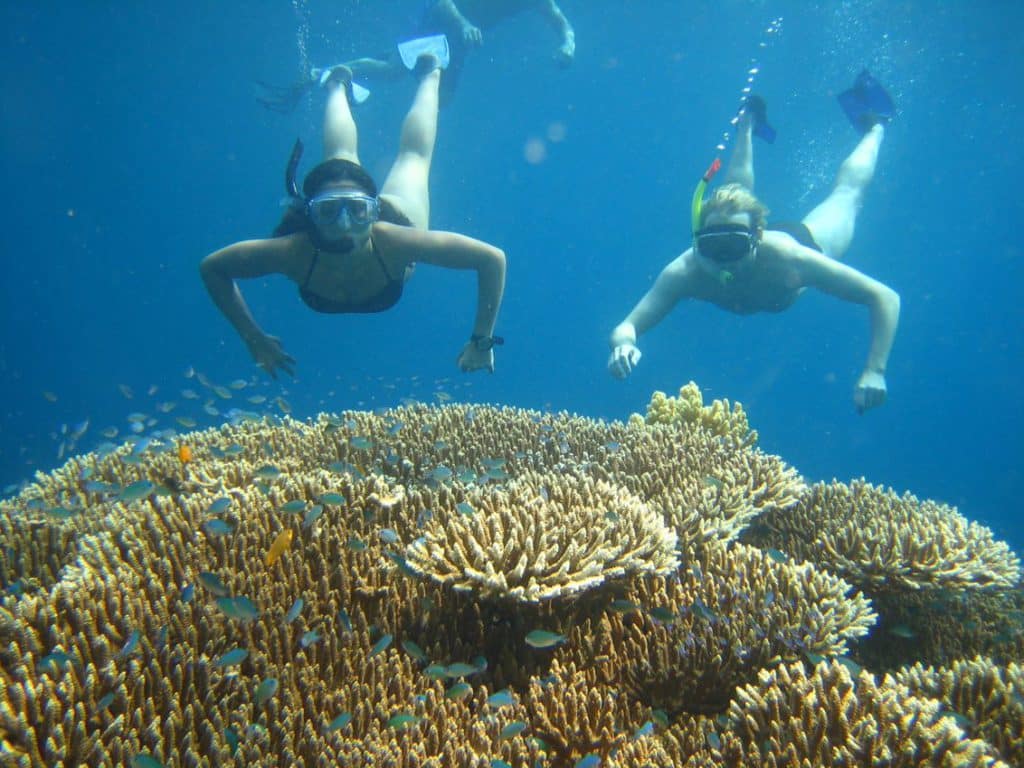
132,145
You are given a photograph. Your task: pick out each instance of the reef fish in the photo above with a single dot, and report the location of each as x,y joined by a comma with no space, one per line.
340,721
279,547
146,761
231,658
136,491
265,691
294,611
380,646
402,720
240,608
542,639
213,583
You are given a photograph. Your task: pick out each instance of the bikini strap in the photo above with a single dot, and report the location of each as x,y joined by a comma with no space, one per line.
312,266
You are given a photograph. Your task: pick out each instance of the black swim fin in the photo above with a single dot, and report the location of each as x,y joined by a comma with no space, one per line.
866,103
758,110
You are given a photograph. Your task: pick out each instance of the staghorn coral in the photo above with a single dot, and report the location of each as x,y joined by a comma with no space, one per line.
82,688
826,717
987,699
688,409
545,537
683,644
884,542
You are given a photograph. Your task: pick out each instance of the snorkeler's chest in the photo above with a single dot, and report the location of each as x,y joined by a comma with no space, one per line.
744,294
347,274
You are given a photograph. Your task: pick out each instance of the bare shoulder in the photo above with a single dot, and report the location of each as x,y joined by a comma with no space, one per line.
253,258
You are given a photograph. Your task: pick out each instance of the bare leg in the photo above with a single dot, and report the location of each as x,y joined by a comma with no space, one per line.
341,139
741,163
407,182
832,222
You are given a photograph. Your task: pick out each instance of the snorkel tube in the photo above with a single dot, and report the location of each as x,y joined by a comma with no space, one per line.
293,198
697,204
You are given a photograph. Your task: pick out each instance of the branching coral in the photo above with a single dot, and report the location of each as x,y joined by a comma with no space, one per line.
720,418
683,644
826,717
884,542
545,537
986,700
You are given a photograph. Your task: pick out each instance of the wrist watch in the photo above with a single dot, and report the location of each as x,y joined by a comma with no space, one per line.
484,343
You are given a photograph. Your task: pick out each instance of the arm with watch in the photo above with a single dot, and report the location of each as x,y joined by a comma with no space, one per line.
454,251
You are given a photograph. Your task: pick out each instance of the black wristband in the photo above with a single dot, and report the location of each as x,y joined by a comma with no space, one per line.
484,343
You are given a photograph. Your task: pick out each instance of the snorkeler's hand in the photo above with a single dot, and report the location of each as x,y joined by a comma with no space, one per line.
471,34
270,355
566,53
472,358
623,360
870,391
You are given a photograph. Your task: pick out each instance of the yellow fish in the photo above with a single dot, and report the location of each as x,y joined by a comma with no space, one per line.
279,547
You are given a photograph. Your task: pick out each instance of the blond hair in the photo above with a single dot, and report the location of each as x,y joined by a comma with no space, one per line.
730,199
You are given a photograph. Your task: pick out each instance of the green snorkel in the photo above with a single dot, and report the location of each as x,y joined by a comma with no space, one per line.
724,275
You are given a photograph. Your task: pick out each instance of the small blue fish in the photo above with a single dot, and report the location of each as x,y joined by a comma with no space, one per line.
402,563
218,527
219,506
231,658
356,544
502,698
496,474
441,474
436,672
345,620
458,691
294,611
240,608
309,638
660,717
232,738
339,722
361,443
402,720
268,473
460,669
312,515
265,691
188,592
465,508
213,583
713,739
388,536
512,730
415,651
136,491
588,761
146,761
105,701
56,659
380,646
293,507
644,730
332,499
130,644
60,513
777,555
542,639
496,763
624,606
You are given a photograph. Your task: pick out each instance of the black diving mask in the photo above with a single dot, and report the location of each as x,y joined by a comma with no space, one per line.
725,243
342,213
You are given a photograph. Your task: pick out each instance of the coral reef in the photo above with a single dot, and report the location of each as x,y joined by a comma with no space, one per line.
720,418
442,586
884,542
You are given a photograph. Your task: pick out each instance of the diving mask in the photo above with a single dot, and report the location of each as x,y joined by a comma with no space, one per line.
725,243
341,213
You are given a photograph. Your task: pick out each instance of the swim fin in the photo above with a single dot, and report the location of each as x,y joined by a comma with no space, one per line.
866,103
435,45
758,110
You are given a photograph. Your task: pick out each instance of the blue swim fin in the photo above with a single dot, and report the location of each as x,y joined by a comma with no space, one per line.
866,103
758,110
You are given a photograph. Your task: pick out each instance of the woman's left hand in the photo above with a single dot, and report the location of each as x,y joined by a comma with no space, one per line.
472,358
870,391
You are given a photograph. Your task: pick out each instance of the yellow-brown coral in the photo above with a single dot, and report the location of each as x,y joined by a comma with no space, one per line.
883,541
720,418
543,538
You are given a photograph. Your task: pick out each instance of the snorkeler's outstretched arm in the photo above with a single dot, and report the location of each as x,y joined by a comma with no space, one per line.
558,19
672,285
455,251
883,302
247,259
